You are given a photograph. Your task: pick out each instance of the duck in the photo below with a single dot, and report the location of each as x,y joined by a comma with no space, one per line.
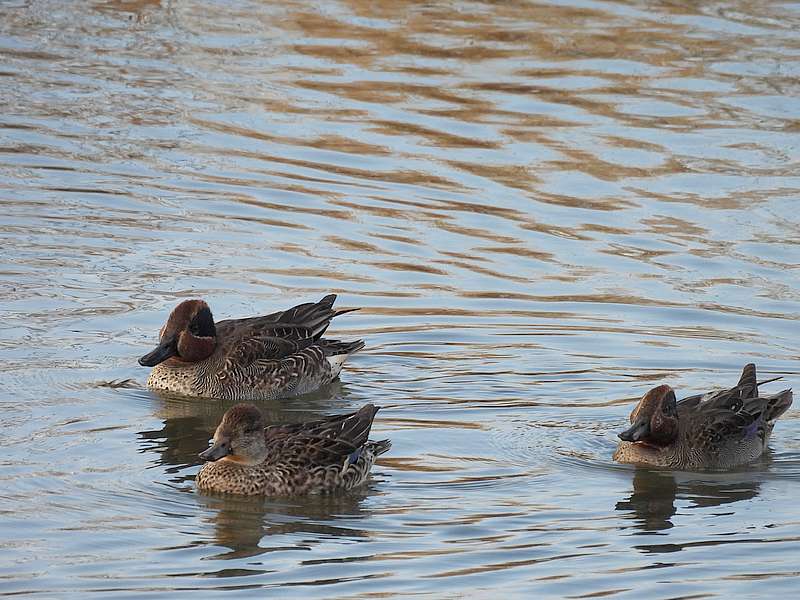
257,358
713,431
247,458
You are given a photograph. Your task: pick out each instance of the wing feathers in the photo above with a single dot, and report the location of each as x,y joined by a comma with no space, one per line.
323,442
282,335
735,413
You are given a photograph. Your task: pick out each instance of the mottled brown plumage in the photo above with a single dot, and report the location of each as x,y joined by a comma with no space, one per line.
717,430
277,355
315,457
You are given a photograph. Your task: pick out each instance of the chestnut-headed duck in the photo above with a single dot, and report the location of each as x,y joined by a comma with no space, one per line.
716,430
278,355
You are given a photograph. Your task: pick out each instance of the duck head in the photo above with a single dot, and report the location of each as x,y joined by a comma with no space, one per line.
654,421
189,335
239,437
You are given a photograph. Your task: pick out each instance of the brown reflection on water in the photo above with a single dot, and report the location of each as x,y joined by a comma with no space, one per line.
509,105
252,527
652,501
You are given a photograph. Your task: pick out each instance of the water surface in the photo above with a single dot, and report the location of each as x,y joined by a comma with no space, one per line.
543,210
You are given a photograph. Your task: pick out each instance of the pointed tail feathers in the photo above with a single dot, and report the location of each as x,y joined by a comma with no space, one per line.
747,386
314,315
778,404
336,347
379,447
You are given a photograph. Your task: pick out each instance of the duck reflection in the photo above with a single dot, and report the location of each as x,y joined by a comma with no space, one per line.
652,501
249,527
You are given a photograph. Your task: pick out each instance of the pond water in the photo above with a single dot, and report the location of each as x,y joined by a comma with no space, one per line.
543,210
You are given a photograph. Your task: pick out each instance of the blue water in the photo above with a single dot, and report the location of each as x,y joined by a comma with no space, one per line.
543,211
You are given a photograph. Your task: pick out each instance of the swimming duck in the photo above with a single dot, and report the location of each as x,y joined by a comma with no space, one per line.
274,356
316,457
717,430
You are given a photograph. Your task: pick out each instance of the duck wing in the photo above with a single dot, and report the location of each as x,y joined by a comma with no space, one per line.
274,337
714,426
731,399
733,415
324,442
257,350
300,323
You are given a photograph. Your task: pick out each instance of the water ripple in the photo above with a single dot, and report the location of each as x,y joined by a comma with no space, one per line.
542,209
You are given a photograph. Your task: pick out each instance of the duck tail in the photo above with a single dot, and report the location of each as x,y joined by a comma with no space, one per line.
337,347
747,386
314,315
379,447
778,404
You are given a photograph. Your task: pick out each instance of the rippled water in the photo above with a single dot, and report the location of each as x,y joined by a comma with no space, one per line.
543,211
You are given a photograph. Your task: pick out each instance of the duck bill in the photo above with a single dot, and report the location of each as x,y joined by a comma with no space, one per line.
161,353
637,432
215,452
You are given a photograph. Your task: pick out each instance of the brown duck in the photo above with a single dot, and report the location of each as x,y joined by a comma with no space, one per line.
277,355
717,430
316,457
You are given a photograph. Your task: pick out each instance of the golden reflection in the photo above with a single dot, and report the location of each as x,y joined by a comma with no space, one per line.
401,266
338,143
514,176
483,270
416,466
440,139
353,245
409,423
133,6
